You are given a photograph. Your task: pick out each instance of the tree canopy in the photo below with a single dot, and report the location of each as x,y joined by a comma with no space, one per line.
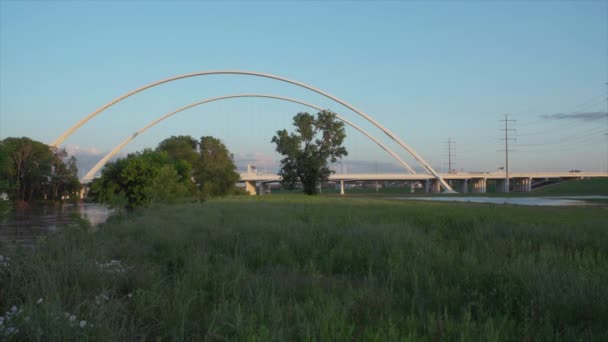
31,170
180,167
307,151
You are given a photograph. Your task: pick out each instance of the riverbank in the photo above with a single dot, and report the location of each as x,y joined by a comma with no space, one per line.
298,268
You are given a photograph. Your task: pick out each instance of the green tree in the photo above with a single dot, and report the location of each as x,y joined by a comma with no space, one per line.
215,172
130,179
63,181
180,148
307,151
28,168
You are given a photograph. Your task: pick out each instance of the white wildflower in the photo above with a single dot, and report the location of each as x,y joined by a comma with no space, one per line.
39,301
14,309
72,318
83,323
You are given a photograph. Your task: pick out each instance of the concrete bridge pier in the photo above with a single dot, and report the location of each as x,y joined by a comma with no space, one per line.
522,184
435,186
479,185
501,185
250,187
427,184
464,186
342,187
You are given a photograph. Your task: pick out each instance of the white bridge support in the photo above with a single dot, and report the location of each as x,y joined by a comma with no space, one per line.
250,187
522,184
124,143
479,185
391,135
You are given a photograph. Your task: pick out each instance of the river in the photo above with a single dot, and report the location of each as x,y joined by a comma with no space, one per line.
22,226
539,201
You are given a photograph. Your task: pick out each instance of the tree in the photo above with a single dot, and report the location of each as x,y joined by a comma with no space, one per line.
131,179
63,181
31,170
179,168
215,171
307,151
180,148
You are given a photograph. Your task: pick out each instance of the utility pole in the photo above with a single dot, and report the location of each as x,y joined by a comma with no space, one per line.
450,142
506,139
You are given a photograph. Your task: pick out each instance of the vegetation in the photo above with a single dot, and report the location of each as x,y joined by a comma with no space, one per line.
307,151
31,170
180,168
583,187
317,268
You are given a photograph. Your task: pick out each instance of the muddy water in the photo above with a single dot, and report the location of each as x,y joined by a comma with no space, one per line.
22,227
541,201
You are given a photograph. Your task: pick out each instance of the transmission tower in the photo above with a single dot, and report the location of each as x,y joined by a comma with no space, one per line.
450,143
506,121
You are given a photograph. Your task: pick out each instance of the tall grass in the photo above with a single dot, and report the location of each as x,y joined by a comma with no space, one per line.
304,268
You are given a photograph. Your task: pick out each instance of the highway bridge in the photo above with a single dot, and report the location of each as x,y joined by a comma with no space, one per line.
519,181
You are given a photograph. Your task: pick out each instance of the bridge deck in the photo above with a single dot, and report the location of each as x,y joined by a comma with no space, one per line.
269,177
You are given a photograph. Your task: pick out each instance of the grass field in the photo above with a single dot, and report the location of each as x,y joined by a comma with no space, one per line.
585,187
317,268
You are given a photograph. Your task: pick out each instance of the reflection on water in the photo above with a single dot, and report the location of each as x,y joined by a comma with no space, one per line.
23,226
542,201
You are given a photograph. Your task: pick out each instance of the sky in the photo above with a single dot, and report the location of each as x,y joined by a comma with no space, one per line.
429,71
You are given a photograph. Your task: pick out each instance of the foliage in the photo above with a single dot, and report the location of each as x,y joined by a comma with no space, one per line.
592,186
31,170
307,151
215,171
291,268
179,168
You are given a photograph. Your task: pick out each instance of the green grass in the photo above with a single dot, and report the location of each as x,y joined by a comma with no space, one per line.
319,268
584,187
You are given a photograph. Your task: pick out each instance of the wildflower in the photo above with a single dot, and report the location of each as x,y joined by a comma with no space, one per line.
39,301
130,295
83,323
72,318
14,309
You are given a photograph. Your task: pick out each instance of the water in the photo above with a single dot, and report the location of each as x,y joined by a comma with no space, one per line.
540,201
23,226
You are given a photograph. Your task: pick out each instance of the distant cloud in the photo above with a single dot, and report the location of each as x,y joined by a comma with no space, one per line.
87,157
79,150
264,163
587,116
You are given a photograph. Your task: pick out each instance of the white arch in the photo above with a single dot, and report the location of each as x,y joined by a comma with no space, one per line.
391,135
120,146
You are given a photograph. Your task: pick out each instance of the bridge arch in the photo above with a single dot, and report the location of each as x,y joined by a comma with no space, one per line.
391,135
124,143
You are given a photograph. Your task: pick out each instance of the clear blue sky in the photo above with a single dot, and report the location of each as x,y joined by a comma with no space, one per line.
428,71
